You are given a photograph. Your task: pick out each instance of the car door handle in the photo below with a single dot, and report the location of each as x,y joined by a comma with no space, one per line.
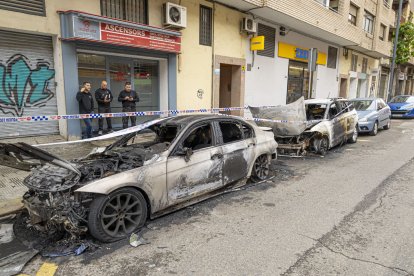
217,155
251,145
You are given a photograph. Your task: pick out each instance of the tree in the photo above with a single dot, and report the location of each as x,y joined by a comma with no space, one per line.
405,46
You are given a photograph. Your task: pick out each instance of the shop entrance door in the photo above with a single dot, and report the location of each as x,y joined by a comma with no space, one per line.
298,81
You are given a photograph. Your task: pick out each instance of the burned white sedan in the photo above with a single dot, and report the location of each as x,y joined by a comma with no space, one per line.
173,163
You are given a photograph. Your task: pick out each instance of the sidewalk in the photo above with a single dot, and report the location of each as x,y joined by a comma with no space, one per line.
11,180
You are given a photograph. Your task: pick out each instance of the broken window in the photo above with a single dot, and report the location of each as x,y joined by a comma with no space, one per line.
199,138
247,131
231,132
315,111
333,111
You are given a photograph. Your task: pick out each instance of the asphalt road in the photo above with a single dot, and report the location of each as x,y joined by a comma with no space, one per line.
349,213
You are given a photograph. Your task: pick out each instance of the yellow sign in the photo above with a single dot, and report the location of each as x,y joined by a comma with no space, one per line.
257,43
300,54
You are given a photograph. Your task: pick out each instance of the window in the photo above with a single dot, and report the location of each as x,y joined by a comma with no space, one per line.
364,65
354,63
368,22
391,33
231,132
35,7
206,24
333,111
130,10
386,3
247,131
382,32
332,56
199,138
333,5
270,36
352,16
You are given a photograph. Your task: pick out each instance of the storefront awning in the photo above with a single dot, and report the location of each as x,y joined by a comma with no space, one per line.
76,25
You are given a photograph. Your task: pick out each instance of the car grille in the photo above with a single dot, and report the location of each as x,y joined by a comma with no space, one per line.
399,111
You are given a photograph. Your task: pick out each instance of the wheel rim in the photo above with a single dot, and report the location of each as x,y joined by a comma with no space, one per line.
375,128
355,135
121,215
323,146
261,167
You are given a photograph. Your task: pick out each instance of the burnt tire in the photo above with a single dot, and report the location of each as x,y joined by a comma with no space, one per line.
261,168
322,145
115,216
374,130
353,139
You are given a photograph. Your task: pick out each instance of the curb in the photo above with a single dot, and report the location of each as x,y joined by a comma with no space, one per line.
10,206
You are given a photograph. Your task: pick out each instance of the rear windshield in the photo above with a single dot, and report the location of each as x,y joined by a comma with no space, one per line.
362,105
402,99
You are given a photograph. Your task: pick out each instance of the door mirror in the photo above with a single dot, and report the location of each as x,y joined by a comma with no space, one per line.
186,152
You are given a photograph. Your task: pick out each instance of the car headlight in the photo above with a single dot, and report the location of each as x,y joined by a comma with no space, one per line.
362,120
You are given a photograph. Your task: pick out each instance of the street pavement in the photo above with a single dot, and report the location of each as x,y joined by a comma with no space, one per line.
349,213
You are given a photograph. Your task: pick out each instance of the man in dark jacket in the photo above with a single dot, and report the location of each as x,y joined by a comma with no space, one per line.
104,98
128,97
85,99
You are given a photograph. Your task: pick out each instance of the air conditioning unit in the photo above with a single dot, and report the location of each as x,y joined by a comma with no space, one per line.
248,25
174,15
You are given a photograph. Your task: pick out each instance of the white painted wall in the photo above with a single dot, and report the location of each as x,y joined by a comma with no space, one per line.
266,83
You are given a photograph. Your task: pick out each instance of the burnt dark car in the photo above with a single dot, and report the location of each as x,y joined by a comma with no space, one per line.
172,163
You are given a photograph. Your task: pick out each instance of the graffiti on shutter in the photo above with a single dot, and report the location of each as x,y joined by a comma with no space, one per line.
22,86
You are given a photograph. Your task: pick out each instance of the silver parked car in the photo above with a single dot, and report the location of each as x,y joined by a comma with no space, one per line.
373,114
173,163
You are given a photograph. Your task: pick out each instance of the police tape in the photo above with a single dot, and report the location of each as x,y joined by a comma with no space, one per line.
43,118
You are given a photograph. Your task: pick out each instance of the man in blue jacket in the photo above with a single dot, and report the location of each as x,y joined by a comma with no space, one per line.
85,100
128,97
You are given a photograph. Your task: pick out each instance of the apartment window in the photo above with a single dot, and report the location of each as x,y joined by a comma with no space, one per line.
35,7
368,22
332,57
352,17
130,10
354,63
391,33
382,32
206,25
334,5
386,3
364,65
270,39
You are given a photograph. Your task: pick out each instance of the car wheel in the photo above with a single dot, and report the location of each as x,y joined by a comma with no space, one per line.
115,216
388,125
374,130
261,168
354,136
322,145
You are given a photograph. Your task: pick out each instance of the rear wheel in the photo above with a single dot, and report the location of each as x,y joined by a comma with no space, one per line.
354,136
261,168
374,130
117,215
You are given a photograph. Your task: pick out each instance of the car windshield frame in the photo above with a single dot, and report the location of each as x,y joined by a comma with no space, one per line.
324,106
402,99
368,107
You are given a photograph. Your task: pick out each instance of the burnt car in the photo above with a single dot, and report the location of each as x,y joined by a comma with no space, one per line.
174,162
314,125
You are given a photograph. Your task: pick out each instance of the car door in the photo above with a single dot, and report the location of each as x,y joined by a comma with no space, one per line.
337,121
349,117
238,149
195,165
383,113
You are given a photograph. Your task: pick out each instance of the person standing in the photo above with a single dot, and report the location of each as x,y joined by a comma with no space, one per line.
104,98
128,97
85,100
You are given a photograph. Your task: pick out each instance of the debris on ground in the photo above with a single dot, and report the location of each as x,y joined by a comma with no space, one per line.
74,249
136,240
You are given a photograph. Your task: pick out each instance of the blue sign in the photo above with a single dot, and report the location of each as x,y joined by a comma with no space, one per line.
301,53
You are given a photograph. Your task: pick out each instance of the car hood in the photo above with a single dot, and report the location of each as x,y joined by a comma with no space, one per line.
365,113
401,106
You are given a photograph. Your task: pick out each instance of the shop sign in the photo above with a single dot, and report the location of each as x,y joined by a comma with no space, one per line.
118,34
257,43
297,53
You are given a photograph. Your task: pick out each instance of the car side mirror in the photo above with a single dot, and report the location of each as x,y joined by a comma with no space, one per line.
186,152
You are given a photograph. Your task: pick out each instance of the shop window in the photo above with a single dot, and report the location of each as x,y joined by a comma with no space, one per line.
368,22
206,25
231,132
298,81
130,10
332,57
354,63
91,68
364,65
199,138
352,16
382,32
34,7
270,39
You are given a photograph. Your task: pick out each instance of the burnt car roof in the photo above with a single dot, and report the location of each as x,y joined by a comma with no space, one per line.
188,119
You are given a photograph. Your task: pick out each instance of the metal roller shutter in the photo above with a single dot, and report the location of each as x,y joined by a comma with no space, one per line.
270,40
27,83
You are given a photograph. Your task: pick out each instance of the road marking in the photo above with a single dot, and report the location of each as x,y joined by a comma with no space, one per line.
47,269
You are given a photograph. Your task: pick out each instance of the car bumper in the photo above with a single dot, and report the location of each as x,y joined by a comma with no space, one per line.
402,113
365,126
